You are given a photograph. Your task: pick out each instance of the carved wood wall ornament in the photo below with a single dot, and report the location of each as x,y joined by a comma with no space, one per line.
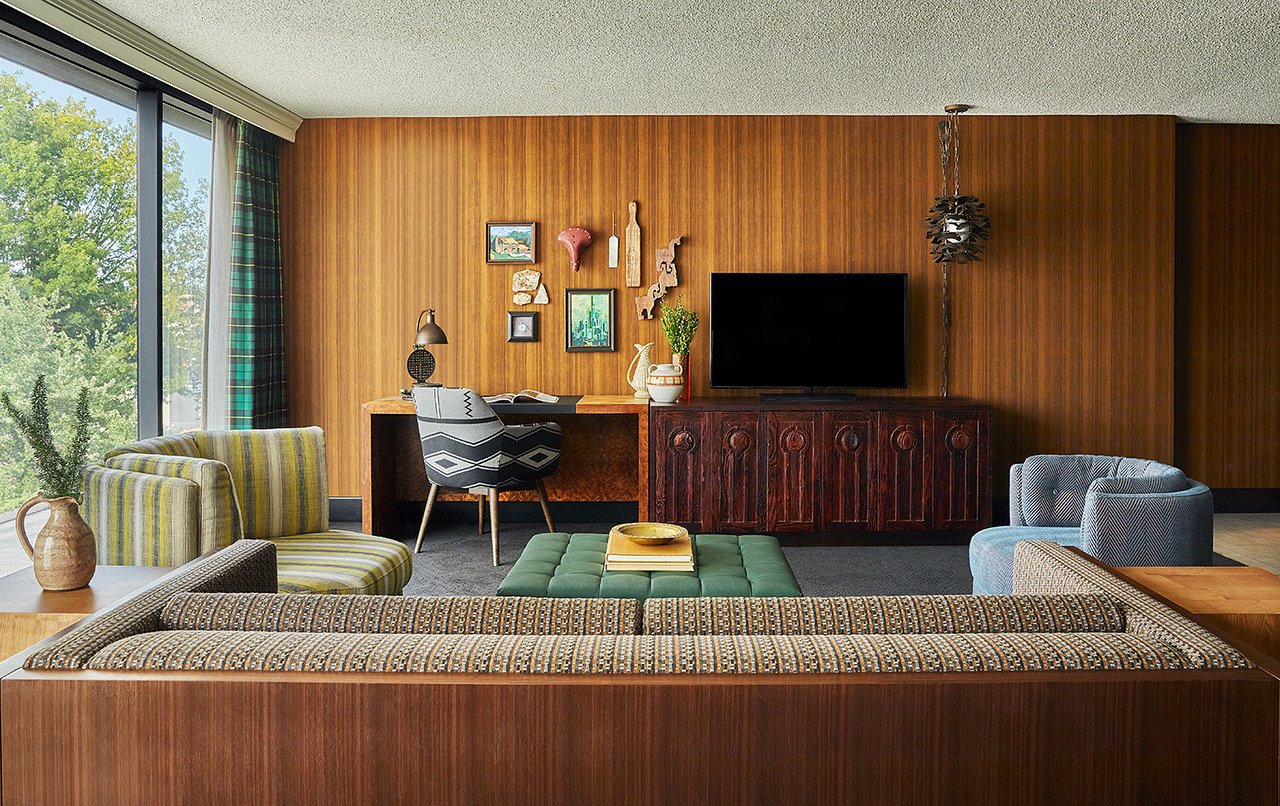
665,259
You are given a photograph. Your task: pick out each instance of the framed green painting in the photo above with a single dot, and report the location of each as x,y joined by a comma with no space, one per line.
588,320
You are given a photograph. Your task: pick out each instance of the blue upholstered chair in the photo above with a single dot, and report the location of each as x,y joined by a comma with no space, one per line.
465,446
1121,511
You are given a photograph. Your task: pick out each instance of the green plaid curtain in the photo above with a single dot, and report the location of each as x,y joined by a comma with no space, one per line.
255,357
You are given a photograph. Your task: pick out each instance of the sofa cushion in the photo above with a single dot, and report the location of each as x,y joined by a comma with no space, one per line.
490,615
991,553
244,566
559,564
865,615
641,654
342,562
1043,567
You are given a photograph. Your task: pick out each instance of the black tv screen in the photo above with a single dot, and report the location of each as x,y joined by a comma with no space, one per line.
809,330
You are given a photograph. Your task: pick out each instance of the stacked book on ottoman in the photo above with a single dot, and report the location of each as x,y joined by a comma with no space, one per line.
624,554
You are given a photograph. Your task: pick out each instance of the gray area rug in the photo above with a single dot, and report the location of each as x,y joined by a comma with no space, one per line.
455,562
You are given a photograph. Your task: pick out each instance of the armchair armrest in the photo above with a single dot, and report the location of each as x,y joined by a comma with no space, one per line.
219,512
140,518
1139,521
1016,517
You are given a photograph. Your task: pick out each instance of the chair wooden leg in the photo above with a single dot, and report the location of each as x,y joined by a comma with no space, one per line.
480,514
426,515
493,523
546,505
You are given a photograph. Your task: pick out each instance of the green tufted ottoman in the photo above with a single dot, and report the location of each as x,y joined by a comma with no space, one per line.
572,566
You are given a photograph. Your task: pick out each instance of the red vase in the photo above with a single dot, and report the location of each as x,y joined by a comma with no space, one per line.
683,361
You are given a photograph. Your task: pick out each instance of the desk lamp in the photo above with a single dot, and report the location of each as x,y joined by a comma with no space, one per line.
422,363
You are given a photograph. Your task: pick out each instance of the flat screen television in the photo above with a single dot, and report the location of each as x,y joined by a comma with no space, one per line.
804,330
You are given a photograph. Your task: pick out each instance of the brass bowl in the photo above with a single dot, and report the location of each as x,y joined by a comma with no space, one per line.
649,534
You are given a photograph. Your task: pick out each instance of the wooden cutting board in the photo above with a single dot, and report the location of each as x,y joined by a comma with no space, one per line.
633,249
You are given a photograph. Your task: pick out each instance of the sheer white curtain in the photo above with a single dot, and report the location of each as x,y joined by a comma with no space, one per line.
217,289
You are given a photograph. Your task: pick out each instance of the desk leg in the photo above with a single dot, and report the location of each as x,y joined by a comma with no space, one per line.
642,454
377,463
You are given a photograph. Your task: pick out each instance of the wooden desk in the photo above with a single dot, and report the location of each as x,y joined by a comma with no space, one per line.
391,468
1238,601
29,614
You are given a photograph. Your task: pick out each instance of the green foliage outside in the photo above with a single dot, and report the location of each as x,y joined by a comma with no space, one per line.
68,272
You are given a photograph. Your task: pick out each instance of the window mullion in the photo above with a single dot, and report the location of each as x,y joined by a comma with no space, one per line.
150,223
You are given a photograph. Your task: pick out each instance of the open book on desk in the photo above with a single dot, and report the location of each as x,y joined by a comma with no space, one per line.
523,396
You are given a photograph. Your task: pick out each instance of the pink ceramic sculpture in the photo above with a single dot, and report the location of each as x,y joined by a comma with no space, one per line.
574,238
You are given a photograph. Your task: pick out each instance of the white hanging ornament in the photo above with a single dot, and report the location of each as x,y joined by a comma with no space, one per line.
613,247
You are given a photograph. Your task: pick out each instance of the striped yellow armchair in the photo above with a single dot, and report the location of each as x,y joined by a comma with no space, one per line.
167,500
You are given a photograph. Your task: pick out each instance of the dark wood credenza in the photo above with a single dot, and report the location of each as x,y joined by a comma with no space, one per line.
854,465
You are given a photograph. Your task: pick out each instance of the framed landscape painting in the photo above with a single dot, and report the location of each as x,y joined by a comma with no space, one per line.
588,320
510,242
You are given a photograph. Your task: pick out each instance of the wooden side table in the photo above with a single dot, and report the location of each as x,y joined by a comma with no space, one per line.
1239,602
29,614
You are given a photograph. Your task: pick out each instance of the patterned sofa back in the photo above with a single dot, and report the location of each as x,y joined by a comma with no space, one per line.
218,614
439,615
1040,566
883,615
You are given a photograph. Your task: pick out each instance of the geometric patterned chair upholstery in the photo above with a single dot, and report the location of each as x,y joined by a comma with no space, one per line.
168,500
465,446
1121,511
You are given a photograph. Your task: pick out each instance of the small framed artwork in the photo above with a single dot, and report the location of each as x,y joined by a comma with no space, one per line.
510,242
588,320
522,325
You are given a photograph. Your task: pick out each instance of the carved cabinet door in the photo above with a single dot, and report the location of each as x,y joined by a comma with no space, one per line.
961,470
791,495
904,482
848,463
676,484
731,462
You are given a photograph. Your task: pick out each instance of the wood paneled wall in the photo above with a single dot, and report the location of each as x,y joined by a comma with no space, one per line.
1228,423
1066,326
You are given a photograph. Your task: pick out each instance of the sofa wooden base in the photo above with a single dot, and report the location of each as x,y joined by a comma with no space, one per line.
1077,737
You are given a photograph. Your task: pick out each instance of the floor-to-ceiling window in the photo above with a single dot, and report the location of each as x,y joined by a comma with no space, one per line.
188,159
69,252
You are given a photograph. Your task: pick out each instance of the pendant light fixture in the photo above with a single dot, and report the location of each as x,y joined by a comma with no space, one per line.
957,224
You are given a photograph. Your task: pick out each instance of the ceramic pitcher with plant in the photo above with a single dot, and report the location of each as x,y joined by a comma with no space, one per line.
64,555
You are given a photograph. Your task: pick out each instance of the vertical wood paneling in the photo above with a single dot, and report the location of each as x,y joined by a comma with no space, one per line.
1228,424
1065,326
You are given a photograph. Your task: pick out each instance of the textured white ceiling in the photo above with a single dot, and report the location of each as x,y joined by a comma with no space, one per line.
1215,61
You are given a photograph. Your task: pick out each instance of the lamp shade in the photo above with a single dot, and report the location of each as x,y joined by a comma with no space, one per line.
429,332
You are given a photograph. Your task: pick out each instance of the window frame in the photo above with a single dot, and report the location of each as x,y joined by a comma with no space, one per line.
48,51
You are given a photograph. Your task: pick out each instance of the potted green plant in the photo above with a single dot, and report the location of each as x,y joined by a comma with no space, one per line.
65,554
679,324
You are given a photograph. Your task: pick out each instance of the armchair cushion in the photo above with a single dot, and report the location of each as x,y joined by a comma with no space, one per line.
279,477
342,562
1053,487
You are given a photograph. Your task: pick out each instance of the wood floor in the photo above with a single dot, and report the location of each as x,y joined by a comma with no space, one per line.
1253,539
